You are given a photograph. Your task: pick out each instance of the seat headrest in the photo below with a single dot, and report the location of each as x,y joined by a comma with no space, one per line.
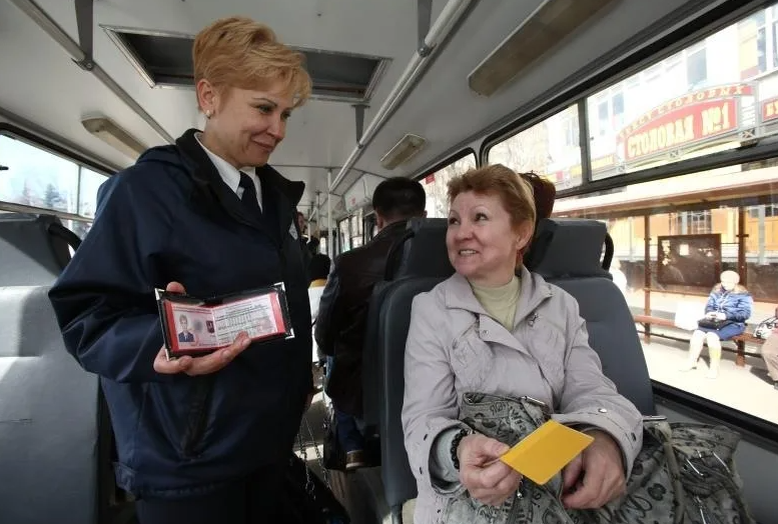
421,252
33,249
570,247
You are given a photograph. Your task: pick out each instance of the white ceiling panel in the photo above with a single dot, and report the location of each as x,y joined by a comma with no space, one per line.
458,112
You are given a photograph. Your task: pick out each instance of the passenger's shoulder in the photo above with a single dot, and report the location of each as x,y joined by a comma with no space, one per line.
152,178
559,298
348,263
158,166
433,299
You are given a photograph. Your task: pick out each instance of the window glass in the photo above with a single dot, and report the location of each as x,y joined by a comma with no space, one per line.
436,185
36,177
672,240
79,227
546,148
323,245
87,191
345,236
706,98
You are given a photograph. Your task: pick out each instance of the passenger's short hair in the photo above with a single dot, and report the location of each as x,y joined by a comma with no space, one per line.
320,267
239,52
514,192
399,198
183,318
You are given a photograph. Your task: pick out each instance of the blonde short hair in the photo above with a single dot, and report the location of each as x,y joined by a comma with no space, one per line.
239,52
514,192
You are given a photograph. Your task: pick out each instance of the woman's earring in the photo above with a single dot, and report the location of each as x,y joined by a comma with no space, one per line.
208,114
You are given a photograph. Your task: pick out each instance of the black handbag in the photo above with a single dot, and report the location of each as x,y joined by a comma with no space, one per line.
307,498
712,323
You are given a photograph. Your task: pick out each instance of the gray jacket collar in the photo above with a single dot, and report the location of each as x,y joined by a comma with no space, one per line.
534,290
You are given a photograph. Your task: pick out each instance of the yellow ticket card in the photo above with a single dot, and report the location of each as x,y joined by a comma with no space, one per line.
545,451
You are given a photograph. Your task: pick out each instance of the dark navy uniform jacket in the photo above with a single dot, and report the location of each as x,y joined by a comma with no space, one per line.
170,217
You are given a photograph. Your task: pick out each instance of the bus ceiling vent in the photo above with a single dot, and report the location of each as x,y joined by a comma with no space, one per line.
403,151
113,135
544,30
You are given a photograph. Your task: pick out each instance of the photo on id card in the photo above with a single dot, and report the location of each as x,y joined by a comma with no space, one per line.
196,326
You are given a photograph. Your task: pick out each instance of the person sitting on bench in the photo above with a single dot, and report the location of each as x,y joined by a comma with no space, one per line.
730,304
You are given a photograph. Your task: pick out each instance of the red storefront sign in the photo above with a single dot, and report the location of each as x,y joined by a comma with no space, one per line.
690,119
770,110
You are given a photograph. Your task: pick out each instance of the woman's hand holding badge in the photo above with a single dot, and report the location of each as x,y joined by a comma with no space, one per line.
200,365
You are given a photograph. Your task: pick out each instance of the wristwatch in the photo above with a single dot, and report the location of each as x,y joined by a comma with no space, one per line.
462,433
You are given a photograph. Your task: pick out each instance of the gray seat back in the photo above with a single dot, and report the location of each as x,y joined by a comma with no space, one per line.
395,317
569,254
33,249
421,252
48,418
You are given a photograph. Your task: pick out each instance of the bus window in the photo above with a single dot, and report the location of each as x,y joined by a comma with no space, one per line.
87,193
674,237
351,231
697,225
323,244
705,98
43,180
345,236
436,185
37,178
550,148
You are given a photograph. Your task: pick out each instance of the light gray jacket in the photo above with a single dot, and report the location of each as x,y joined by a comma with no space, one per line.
454,347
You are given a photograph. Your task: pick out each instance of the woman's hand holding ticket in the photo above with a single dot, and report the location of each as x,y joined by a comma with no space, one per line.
199,365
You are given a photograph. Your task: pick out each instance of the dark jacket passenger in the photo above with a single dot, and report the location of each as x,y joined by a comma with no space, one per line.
342,320
340,328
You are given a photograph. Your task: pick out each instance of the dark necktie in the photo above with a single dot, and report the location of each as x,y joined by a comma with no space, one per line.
249,197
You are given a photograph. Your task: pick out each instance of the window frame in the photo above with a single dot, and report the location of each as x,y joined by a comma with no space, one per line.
621,68
82,162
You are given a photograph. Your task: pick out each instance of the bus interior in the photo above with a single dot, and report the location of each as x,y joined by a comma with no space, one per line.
656,121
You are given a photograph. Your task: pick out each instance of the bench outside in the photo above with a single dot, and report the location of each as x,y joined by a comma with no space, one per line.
739,340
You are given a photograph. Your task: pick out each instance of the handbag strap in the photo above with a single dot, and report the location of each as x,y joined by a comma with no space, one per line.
662,431
309,485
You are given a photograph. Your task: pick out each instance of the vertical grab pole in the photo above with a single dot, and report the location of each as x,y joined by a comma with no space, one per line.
330,232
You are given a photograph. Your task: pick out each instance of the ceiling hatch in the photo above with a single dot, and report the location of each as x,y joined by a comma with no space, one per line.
165,60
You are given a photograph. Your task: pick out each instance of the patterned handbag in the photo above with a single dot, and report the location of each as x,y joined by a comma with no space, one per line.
684,474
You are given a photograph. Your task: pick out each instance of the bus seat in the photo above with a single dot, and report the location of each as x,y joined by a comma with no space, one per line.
394,320
421,252
567,253
49,417
34,249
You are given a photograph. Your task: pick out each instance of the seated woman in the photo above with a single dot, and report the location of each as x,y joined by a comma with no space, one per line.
729,302
529,340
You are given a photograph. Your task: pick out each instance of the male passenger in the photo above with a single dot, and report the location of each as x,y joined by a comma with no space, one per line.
342,319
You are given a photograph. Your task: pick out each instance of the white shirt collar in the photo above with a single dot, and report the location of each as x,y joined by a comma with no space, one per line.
230,174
